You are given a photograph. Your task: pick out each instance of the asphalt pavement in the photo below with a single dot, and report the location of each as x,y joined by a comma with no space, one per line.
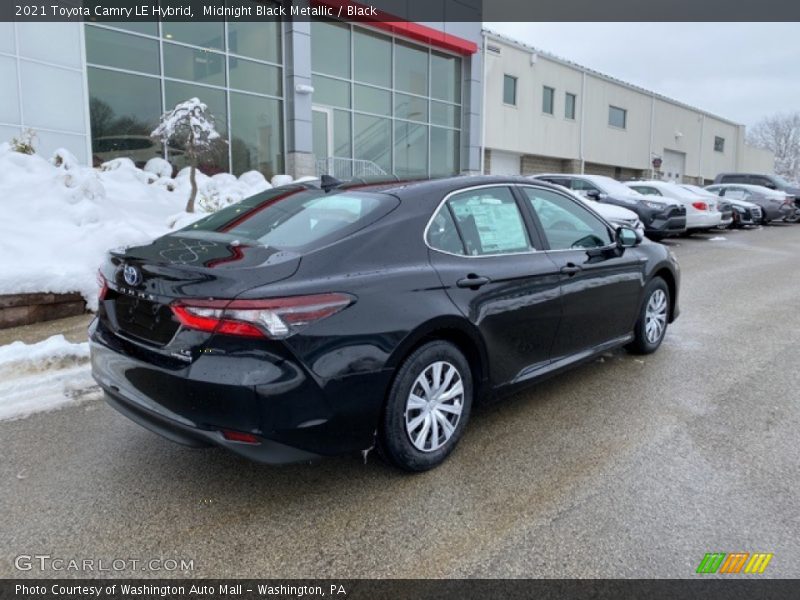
626,467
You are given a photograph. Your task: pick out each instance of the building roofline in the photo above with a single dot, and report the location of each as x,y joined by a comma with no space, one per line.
573,65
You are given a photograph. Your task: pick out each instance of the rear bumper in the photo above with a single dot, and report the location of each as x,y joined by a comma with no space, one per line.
703,220
267,451
295,414
672,221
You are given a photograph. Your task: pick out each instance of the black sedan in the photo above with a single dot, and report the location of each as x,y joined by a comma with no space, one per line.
324,319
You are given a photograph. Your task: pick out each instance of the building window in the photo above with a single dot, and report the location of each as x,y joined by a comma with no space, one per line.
400,108
548,100
509,90
236,66
617,117
719,144
570,100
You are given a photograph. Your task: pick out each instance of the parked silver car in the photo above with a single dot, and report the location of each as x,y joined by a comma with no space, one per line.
745,214
775,205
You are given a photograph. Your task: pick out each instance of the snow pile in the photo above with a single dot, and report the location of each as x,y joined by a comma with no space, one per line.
43,376
60,218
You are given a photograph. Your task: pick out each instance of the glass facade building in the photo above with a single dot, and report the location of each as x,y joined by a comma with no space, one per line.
383,100
297,97
138,71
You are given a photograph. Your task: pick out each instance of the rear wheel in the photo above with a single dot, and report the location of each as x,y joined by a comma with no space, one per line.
428,407
653,318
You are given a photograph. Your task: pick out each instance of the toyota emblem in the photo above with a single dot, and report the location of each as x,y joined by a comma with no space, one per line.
132,275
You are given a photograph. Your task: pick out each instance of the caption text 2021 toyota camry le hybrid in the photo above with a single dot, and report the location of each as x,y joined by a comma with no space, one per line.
326,318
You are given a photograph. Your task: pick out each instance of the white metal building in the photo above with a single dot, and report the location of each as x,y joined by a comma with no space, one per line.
546,114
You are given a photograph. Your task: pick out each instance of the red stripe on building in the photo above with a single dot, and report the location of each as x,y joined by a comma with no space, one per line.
406,29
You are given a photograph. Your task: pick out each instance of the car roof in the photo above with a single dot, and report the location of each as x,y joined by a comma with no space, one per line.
436,187
747,186
651,183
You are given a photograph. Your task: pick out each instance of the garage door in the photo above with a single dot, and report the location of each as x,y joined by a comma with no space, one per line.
674,165
503,163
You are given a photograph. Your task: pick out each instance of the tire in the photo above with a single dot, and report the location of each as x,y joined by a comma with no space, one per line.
645,342
405,417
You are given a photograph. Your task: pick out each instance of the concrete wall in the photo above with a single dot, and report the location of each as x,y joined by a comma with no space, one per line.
655,125
757,160
43,71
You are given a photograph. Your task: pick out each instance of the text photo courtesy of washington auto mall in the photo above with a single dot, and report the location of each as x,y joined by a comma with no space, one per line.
455,299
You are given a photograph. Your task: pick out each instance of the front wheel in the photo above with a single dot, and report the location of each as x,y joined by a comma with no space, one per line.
428,407
653,318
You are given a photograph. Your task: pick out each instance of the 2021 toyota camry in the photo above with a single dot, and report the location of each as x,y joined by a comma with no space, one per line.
322,319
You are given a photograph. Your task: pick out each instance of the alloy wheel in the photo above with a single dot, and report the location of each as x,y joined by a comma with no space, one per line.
434,406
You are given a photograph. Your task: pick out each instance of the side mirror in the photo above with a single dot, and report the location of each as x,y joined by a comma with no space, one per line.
592,194
627,237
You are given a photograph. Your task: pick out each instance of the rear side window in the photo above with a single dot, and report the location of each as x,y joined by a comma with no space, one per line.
734,179
443,234
643,189
579,185
297,218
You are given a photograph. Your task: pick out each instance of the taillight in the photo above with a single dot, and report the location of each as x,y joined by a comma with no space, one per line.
103,285
274,318
700,205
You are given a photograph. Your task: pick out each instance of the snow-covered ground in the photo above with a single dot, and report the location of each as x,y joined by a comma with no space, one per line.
59,218
43,376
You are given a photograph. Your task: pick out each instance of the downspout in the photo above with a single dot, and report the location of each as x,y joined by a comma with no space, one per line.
580,129
482,160
700,155
652,127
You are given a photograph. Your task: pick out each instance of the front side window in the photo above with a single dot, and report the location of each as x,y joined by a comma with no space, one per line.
570,100
566,224
509,90
643,189
548,100
489,222
719,144
617,117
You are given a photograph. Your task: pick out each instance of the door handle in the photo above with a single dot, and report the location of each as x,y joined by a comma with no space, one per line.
472,281
570,269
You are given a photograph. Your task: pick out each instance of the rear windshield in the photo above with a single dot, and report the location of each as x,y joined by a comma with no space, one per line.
298,218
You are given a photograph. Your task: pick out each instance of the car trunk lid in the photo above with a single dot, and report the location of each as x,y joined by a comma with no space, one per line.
143,281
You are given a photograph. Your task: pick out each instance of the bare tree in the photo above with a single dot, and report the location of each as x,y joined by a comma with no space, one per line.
780,134
191,126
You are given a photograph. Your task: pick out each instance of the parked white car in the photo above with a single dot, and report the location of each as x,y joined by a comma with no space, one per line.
702,212
616,215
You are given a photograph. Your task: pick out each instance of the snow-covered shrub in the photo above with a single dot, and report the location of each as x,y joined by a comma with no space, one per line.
119,163
147,177
278,180
24,143
167,183
64,159
254,179
159,167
